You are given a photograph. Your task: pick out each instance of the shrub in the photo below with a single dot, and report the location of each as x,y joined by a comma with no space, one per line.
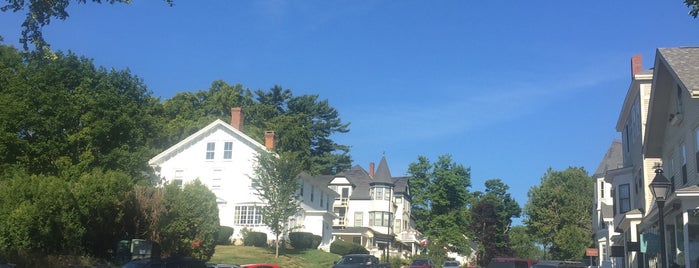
223,236
255,239
304,240
341,247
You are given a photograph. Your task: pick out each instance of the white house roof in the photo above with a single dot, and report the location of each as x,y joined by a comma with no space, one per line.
218,124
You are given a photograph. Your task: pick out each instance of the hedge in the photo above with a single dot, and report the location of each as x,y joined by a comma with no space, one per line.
255,239
223,236
304,240
341,247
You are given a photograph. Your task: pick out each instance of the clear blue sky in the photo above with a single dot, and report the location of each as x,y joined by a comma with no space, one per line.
508,88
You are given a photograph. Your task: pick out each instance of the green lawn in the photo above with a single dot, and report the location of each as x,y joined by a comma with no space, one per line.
289,258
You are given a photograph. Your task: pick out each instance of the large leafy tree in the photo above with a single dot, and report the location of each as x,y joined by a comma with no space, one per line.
40,13
440,198
64,116
557,213
276,183
190,222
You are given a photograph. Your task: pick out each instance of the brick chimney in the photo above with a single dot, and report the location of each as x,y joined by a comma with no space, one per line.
636,65
269,140
237,118
371,170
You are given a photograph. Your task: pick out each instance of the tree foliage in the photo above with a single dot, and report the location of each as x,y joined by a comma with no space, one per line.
557,213
492,219
53,215
523,245
693,7
190,222
439,203
64,116
276,183
40,14
302,124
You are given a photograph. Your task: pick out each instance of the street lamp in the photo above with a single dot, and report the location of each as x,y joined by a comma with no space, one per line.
660,187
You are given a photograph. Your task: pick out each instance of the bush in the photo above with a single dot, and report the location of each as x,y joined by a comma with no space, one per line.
255,239
223,236
342,248
304,240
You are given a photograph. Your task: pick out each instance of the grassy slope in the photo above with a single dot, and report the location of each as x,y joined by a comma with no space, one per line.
288,258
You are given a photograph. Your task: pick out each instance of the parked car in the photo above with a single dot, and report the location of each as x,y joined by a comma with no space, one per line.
259,265
510,263
221,265
451,264
171,262
360,261
422,263
559,264
6,265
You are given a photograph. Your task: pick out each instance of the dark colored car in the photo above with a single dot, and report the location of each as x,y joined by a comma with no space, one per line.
172,262
510,263
259,265
359,261
451,264
422,263
559,264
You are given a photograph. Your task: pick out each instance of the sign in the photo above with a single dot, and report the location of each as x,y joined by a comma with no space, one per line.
591,252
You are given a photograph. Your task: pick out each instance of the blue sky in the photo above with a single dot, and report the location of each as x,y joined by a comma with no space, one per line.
507,88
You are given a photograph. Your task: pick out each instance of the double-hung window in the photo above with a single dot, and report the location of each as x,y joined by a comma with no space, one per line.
228,150
210,148
624,198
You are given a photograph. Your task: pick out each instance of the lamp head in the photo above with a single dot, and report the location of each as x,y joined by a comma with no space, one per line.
660,186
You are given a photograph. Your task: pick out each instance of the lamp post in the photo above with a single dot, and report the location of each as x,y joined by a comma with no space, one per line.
660,187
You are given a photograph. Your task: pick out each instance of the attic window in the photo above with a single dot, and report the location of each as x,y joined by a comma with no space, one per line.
228,150
210,148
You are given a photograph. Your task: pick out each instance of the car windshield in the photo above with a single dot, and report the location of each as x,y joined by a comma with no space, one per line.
451,263
420,262
352,260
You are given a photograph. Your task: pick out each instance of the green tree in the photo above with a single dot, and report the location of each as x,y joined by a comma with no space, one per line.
40,13
190,222
64,116
276,183
557,213
187,112
39,216
693,7
302,124
100,198
440,198
523,245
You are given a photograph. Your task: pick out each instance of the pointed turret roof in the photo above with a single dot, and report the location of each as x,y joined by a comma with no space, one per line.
383,175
